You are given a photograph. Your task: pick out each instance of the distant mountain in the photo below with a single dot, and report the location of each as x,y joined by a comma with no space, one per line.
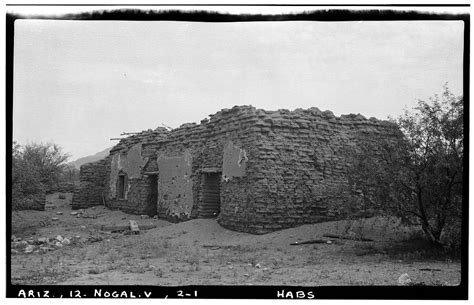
96,157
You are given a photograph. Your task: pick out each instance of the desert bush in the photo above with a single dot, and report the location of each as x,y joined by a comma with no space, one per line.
35,169
419,177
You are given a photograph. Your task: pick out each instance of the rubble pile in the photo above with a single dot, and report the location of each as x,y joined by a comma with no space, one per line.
41,244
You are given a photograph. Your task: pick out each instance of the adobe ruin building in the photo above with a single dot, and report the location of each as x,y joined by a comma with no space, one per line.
257,171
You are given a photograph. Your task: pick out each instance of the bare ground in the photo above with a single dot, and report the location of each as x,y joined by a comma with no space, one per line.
200,252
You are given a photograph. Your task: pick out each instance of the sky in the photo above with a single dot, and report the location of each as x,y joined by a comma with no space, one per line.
80,83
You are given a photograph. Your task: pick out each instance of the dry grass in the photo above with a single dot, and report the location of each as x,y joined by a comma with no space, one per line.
175,254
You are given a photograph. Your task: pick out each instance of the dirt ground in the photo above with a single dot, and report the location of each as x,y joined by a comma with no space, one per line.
200,252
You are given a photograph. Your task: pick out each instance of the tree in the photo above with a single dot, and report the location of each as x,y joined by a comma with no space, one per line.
420,177
69,173
25,178
48,160
35,169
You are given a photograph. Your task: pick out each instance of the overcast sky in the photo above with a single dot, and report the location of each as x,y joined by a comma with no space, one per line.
80,83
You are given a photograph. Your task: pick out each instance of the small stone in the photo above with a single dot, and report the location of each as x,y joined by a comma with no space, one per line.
42,240
29,249
59,238
73,213
258,266
404,280
45,249
13,251
13,238
54,219
58,244
59,213
65,241
83,227
246,274
230,267
123,218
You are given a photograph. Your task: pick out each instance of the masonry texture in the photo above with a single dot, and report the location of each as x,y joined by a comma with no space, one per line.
277,169
91,185
36,202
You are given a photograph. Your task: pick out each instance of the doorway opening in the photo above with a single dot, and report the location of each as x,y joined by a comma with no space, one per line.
152,195
121,183
210,195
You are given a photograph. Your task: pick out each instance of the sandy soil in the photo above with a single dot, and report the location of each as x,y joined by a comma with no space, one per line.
200,252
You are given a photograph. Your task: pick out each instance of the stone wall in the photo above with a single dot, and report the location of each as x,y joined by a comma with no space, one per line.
33,202
279,169
91,185
300,173
302,168
131,157
224,143
175,186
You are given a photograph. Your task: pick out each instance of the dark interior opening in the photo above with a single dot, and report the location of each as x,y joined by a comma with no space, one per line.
152,198
121,187
210,195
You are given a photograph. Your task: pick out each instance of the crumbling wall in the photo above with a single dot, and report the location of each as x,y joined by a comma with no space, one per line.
175,187
301,171
129,164
234,161
279,168
32,202
91,187
224,143
130,157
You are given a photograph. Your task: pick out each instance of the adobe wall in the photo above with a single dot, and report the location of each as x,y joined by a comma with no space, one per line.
223,142
91,185
301,170
215,144
279,169
130,157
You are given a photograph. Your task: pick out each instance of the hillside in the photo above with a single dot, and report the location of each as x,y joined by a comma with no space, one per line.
96,157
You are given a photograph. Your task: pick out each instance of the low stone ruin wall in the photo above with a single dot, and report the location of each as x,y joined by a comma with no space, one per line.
33,202
91,185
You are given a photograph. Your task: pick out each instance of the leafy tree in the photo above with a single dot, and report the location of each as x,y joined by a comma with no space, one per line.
69,173
25,178
35,169
420,177
48,160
